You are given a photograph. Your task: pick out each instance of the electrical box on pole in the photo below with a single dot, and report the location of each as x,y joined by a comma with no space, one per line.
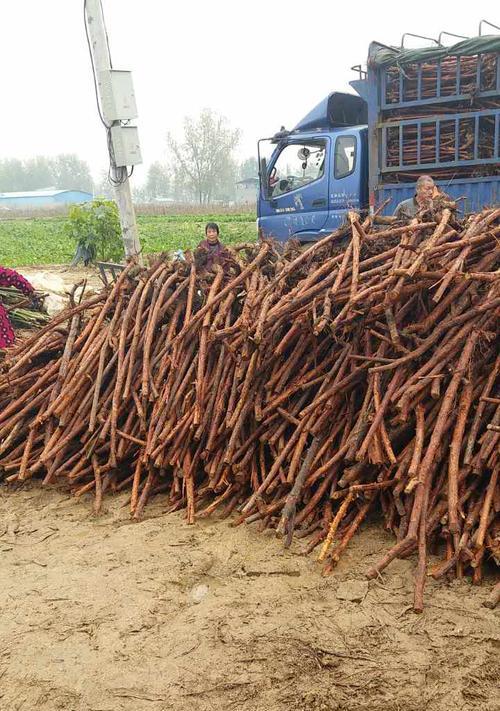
116,104
126,148
117,95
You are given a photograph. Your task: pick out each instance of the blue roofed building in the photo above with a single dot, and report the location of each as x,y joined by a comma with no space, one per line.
43,198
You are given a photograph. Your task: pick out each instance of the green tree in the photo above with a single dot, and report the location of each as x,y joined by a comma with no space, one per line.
157,182
72,173
204,158
180,189
103,188
95,228
138,194
12,175
65,172
225,188
39,173
249,168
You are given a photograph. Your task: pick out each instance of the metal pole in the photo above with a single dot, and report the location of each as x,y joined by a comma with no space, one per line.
102,61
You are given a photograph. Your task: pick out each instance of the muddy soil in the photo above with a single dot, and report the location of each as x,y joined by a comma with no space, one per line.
101,614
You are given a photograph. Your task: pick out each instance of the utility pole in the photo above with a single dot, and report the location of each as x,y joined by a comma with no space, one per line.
117,136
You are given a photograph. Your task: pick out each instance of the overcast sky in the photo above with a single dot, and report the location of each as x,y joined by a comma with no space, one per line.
261,63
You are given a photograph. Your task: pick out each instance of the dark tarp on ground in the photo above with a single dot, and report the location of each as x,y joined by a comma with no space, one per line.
381,55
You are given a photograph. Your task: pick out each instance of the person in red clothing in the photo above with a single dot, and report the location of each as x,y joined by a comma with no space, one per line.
212,244
9,277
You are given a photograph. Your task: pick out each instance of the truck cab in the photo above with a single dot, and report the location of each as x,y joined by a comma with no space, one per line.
310,176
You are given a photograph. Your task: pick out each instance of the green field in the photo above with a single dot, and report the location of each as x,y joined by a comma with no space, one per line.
25,242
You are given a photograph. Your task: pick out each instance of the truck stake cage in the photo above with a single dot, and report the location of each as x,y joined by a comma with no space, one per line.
433,110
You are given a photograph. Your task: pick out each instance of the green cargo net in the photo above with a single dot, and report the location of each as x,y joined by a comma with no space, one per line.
383,56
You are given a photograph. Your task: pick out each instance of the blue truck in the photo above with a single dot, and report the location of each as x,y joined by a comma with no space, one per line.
432,111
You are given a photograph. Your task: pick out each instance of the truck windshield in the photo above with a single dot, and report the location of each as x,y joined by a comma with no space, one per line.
298,164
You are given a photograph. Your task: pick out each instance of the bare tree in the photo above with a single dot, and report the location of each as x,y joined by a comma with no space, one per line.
204,158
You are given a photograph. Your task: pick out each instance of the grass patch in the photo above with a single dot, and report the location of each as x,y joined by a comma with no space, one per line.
38,241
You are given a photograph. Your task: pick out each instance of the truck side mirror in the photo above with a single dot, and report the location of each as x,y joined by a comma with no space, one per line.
264,179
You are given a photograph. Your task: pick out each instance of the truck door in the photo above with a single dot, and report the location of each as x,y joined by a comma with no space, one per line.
296,203
349,175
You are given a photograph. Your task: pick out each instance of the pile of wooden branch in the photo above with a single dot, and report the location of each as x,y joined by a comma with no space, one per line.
300,390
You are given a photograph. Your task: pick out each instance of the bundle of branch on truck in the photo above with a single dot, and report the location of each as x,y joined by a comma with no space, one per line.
439,112
299,390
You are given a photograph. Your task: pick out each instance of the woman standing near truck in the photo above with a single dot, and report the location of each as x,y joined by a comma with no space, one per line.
216,252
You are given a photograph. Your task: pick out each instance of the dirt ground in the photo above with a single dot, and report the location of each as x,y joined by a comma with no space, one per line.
70,275
102,614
